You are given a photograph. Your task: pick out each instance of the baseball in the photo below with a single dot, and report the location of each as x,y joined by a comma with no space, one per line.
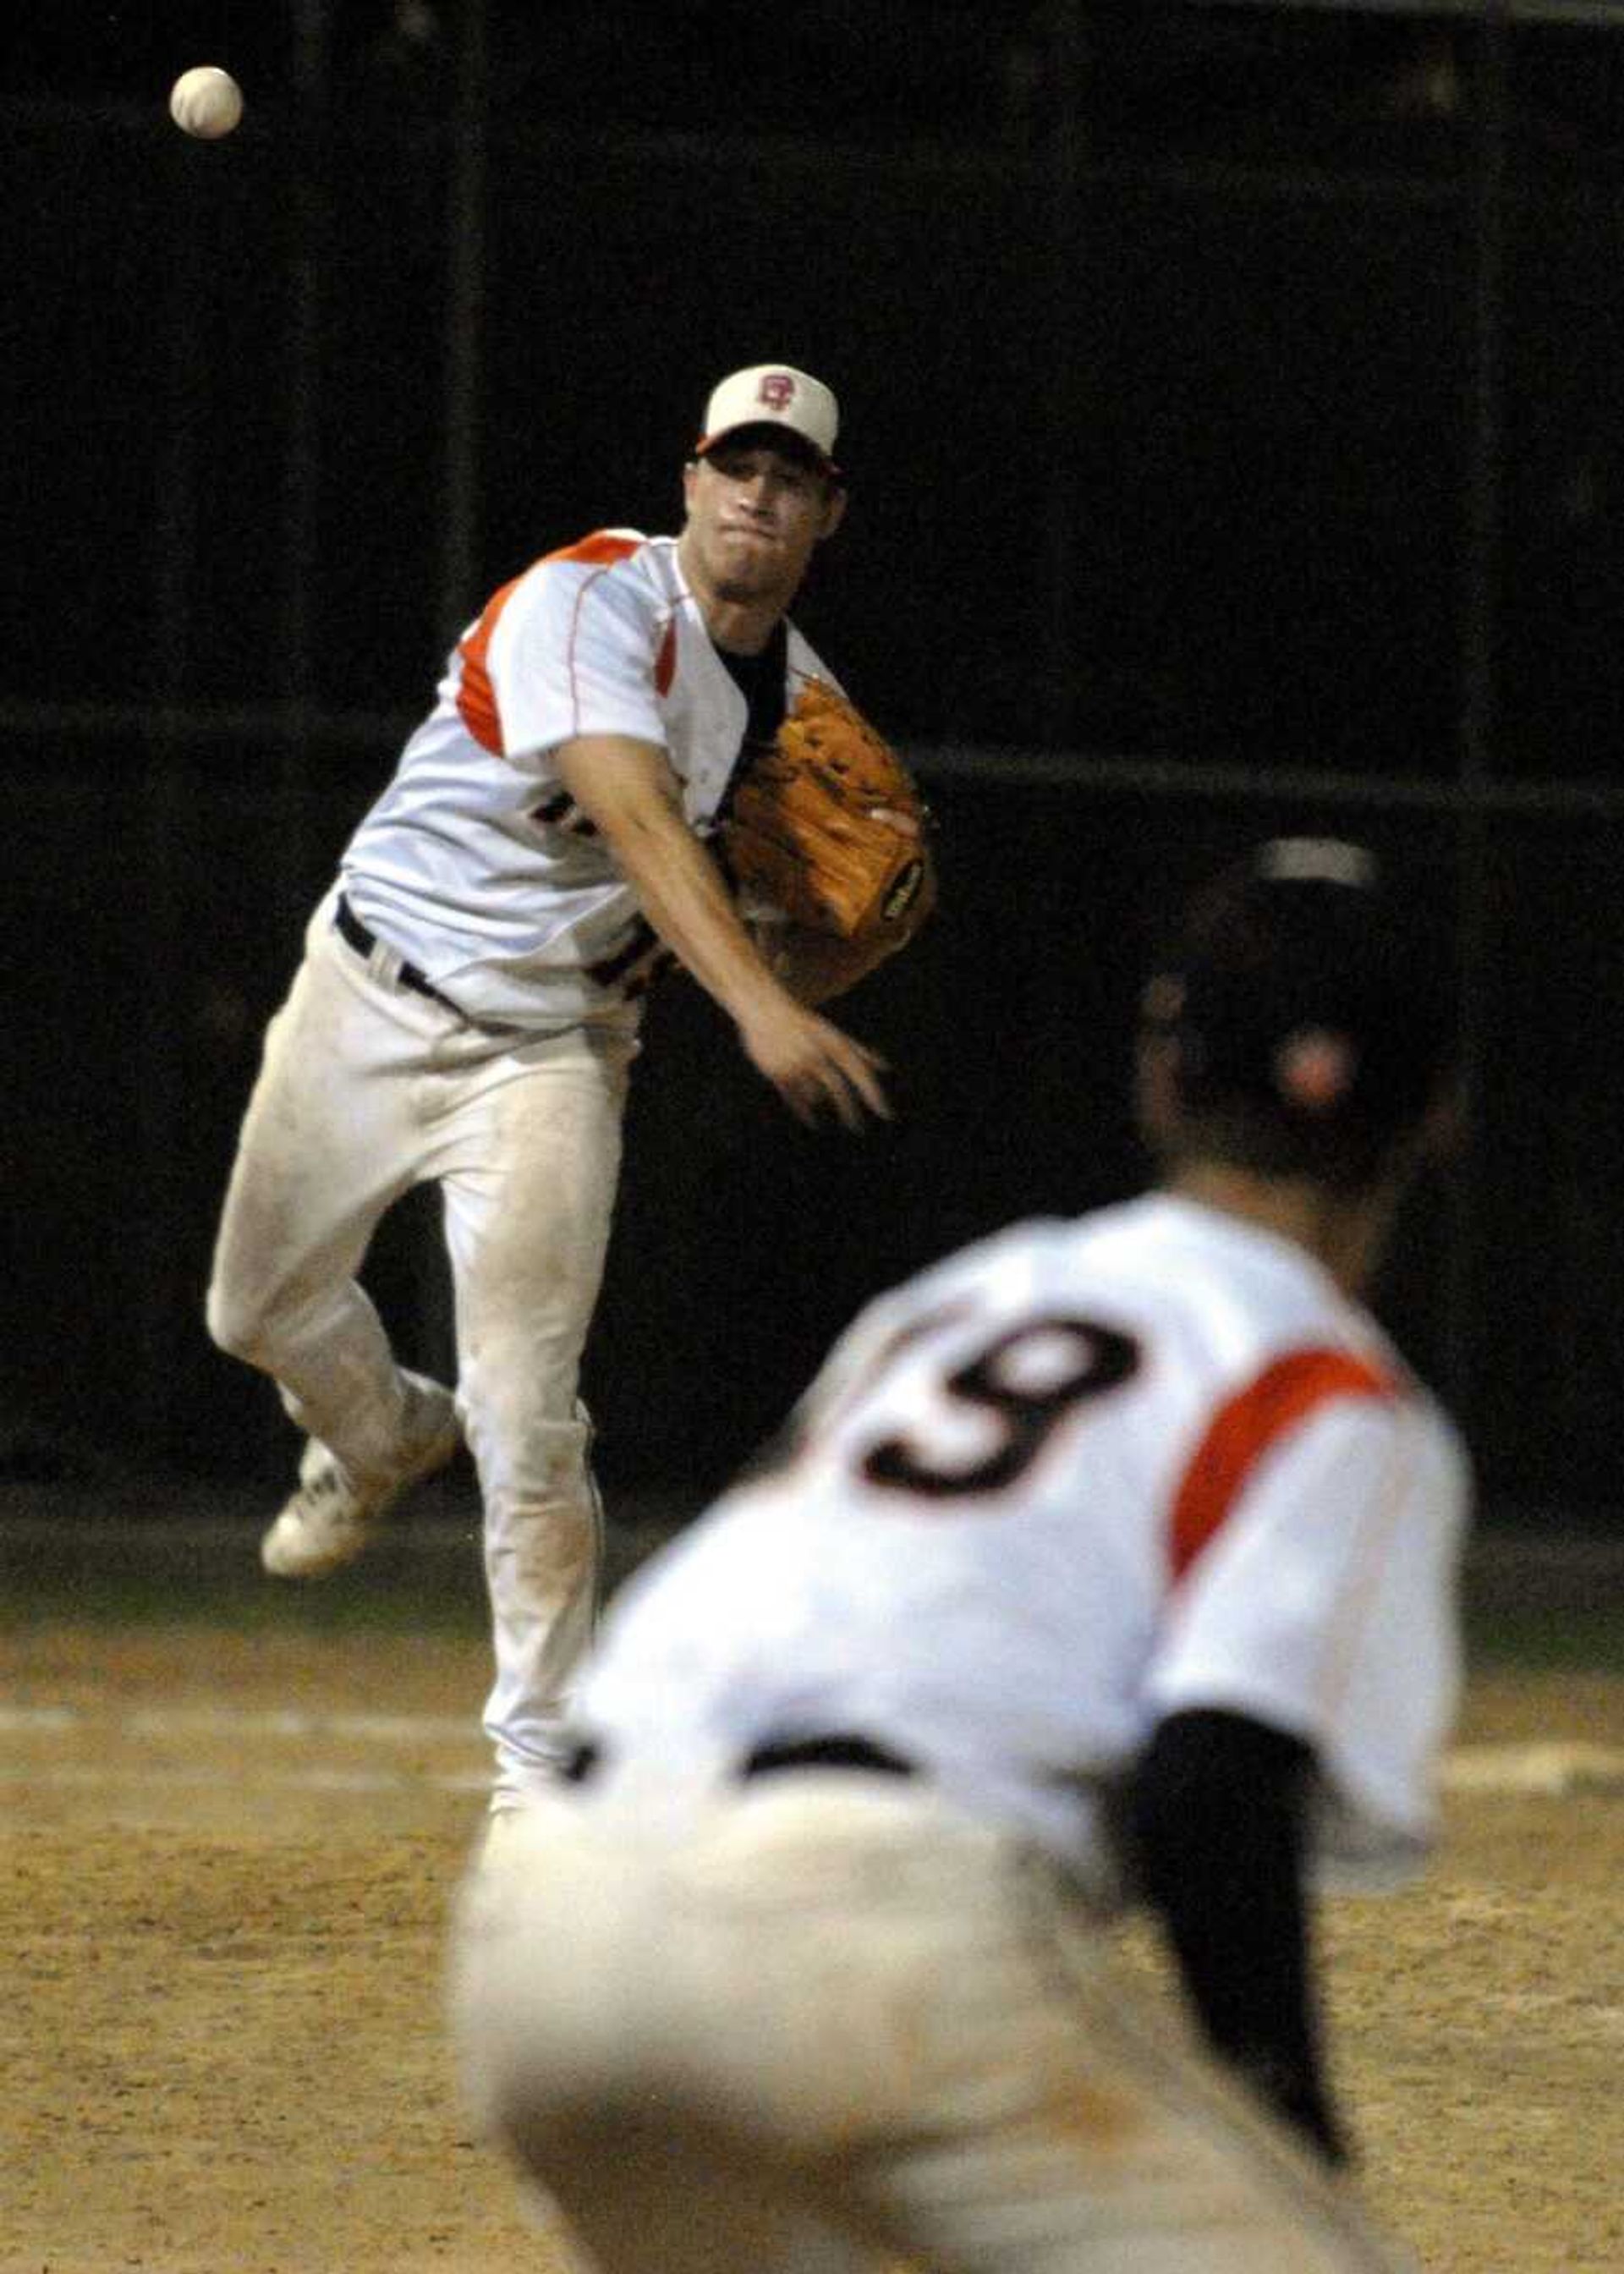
206,102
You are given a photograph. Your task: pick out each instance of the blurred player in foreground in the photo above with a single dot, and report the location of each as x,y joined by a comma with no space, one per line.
1109,1562
468,1009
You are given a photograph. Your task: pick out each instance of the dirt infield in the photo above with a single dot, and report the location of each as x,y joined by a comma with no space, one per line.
226,1864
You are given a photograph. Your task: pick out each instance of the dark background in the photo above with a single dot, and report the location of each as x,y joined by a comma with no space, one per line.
1231,396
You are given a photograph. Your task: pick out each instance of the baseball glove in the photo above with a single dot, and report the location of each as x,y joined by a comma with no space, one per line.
828,826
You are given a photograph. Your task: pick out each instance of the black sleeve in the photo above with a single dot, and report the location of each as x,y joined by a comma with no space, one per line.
1217,1818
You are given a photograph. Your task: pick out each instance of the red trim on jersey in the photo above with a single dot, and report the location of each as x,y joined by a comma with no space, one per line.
586,585
1245,1428
475,696
602,546
476,704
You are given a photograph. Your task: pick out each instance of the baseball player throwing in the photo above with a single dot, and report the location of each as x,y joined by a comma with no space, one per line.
467,1012
1111,1562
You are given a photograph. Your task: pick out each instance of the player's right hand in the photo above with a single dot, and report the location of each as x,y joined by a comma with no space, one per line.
815,1065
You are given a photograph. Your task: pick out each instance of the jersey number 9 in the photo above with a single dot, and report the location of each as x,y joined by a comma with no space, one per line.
1027,1382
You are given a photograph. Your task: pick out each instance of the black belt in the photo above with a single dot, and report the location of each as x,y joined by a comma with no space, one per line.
835,1751
351,928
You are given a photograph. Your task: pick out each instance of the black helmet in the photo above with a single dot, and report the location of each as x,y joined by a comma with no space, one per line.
1310,1012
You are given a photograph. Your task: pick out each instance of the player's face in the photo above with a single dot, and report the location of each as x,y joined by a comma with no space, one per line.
755,514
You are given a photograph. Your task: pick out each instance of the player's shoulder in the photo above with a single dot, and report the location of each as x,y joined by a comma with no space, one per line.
622,558
1234,1300
1042,1251
600,548
1018,1264
614,576
1009,1251
612,561
1443,1443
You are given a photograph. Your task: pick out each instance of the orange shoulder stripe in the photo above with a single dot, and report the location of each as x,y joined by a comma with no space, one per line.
476,695
1247,1425
603,546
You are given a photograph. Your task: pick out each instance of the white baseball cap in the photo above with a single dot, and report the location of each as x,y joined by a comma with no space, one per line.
773,394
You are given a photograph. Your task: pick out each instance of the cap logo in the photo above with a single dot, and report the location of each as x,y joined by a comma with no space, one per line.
1314,1069
776,391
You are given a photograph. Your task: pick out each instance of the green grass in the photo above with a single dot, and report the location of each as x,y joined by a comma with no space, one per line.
132,1550
106,1583
426,1578
1556,1638
420,1579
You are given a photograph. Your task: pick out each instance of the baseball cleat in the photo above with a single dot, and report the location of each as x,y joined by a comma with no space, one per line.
329,1520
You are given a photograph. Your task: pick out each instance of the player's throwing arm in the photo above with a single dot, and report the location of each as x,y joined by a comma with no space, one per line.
629,792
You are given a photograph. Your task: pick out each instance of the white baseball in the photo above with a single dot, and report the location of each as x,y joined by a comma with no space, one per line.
206,101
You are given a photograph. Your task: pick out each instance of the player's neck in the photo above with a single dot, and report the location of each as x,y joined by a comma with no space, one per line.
1342,1233
742,628
743,624
736,635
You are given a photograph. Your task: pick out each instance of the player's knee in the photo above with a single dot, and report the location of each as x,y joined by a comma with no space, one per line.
239,1325
543,1462
523,1388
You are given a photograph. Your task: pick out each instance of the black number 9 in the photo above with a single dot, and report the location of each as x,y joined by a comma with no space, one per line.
1101,1359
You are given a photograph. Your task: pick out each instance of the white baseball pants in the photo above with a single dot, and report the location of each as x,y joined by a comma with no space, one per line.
367,1089
821,2021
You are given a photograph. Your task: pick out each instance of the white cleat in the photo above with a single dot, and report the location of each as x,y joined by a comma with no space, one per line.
329,1520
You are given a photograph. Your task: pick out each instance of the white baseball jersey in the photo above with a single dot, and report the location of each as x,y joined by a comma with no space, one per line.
475,865
1078,1478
